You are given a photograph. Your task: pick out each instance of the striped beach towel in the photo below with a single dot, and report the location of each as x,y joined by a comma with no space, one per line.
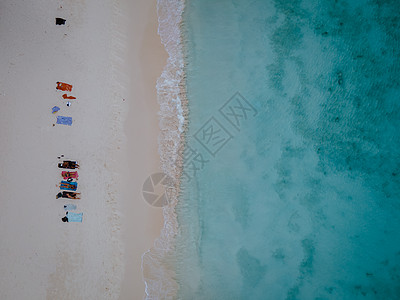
71,186
66,174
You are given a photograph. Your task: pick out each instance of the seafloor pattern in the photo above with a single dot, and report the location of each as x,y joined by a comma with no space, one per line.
292,185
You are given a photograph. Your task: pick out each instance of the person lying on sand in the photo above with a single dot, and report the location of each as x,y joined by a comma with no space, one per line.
70,175
68,164
65,185
68,195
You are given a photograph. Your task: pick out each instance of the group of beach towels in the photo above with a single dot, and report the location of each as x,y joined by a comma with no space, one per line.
69,184
68,187
65,87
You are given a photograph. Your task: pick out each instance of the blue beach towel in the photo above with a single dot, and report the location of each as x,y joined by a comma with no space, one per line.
69,207
74,217
64,120
70,186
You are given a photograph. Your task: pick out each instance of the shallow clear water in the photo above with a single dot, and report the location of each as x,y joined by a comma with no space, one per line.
296,193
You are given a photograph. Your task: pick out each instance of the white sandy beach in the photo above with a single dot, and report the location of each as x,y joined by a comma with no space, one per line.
112,56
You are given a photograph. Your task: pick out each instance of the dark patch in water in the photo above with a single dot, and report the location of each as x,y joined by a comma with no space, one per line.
241,205
279,254
250,267
306,268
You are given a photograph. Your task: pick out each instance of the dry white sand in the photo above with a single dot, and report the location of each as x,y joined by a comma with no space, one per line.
40,256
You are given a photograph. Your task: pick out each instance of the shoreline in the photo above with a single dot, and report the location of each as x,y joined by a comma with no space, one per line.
171,89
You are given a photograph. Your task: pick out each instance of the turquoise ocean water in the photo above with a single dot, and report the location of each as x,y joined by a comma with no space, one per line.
292,162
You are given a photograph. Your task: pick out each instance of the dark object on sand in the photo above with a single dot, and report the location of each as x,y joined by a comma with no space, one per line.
60,21
68,164
68,195
64,219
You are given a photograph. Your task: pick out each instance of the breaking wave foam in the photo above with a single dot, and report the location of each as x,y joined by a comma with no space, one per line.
157,270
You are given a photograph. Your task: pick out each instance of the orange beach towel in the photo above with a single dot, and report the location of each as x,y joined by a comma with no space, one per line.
64,86
65,96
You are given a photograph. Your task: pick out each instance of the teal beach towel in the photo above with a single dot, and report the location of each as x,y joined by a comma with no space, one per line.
74,217
69,207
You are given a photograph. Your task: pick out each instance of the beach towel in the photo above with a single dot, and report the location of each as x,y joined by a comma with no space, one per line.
68,195
68,164
64,120
66,174
62,86
69,207
74,217
65,96
55,109
71,186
